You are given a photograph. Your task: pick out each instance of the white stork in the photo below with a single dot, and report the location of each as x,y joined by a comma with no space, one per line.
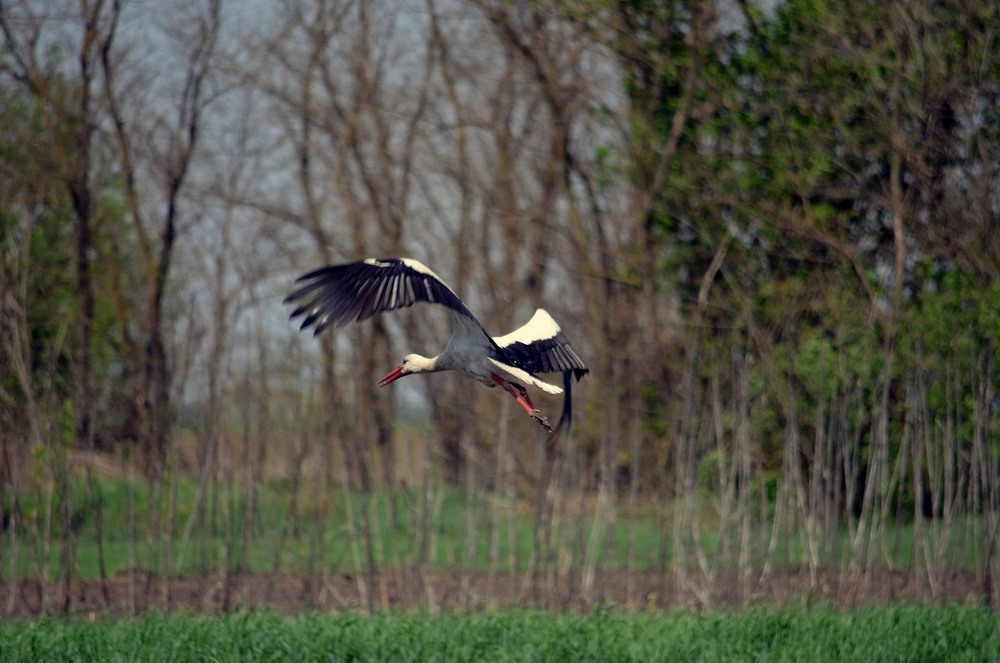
336,295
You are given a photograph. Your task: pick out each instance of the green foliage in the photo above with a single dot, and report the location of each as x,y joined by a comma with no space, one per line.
712,471
952,316
895,633
39,223
49,294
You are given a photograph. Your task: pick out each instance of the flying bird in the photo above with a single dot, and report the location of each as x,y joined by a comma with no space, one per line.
333,296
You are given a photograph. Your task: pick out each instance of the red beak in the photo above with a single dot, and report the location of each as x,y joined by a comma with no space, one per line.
394,375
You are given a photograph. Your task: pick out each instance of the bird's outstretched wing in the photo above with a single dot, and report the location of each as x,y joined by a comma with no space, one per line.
541,347
340,294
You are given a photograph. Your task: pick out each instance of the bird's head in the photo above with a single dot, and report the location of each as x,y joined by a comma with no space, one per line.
410,364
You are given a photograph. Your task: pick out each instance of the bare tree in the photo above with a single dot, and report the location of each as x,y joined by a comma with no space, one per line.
160,143
70,122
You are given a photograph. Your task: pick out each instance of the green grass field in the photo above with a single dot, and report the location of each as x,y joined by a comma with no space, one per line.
895,633
325,523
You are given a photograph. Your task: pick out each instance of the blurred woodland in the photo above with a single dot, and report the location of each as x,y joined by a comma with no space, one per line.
771,229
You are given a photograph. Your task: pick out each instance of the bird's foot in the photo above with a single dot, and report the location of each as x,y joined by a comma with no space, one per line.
542,420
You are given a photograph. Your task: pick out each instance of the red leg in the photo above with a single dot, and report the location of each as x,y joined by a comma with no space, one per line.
522,398
524,394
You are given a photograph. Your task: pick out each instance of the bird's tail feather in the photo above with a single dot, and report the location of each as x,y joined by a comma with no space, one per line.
566,418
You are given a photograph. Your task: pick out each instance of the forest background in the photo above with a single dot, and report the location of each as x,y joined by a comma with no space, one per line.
771,229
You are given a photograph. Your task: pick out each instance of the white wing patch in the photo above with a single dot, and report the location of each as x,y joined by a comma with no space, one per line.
525,377
540,327
418,266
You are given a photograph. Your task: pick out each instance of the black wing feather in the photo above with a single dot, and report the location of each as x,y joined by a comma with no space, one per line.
548,355
340,294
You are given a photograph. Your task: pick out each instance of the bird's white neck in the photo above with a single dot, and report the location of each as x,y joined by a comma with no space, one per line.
420,364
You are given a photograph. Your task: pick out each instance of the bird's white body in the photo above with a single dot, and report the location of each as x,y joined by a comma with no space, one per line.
471,352
475,365
338,294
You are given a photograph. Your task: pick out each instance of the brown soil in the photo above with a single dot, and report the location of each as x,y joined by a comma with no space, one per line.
433,591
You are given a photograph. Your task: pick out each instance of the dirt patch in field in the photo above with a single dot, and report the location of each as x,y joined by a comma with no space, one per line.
434,591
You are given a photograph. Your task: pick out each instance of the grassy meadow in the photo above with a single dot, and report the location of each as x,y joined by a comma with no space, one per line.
185,529
285,532
894,633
